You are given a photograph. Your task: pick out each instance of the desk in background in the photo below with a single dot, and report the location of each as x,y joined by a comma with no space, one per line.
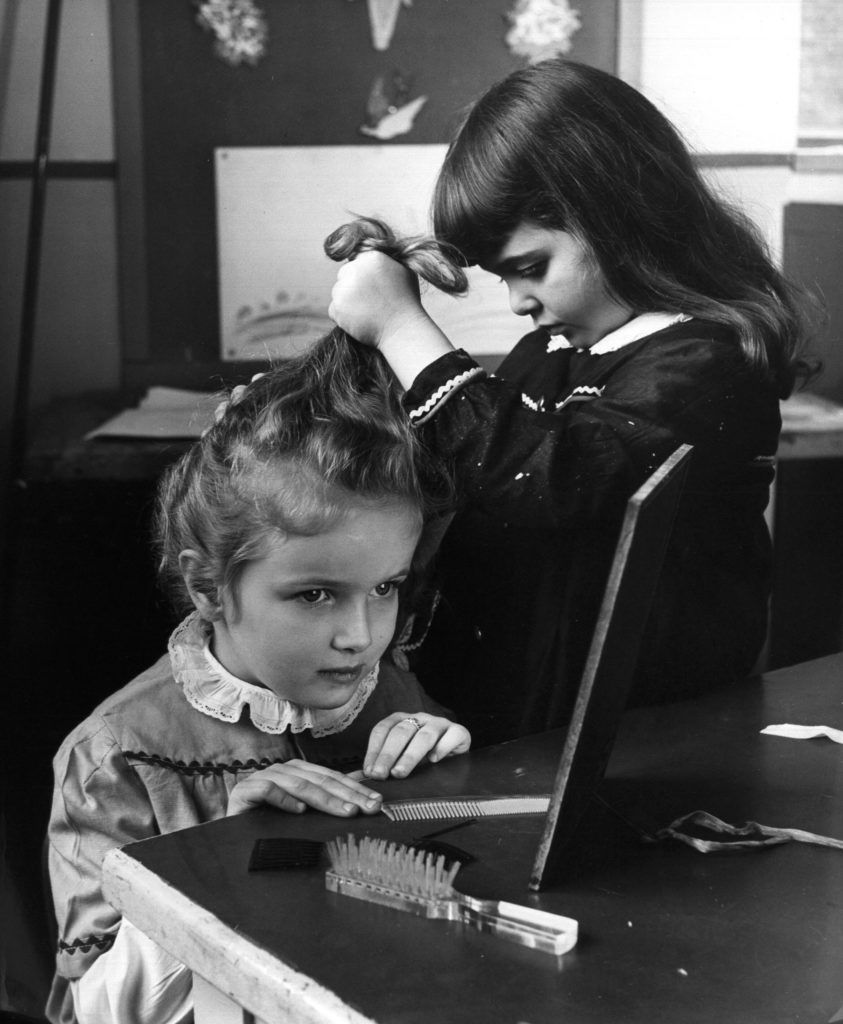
666,933
100,491
806,611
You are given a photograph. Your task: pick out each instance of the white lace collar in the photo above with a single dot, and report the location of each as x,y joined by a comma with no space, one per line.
214,691
633,330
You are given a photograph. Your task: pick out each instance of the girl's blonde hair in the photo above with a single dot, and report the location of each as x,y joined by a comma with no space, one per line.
299,445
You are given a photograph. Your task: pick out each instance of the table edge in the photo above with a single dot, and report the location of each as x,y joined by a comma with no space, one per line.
217,952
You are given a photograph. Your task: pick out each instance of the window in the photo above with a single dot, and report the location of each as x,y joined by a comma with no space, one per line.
821,74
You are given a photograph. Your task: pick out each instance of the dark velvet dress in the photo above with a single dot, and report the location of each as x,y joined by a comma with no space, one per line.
546,453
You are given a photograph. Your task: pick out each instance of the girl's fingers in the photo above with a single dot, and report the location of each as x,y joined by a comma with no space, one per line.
439,739
297,784
236,395
328,790
456,740
401,742
387,741
371,293
253,793
378,736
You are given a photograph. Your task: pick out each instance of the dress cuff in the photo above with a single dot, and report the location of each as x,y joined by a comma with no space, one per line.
437,382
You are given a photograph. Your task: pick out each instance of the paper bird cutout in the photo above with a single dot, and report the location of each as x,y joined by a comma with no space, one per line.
383,15
397,122
387,94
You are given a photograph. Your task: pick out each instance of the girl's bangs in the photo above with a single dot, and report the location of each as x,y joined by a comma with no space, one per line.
469,209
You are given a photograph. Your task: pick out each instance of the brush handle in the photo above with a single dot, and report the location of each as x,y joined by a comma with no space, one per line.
537,929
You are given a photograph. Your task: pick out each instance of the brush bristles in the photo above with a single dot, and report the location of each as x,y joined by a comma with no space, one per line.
388,865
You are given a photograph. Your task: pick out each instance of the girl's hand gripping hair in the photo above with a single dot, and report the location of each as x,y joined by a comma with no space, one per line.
400,742
297,785
376,297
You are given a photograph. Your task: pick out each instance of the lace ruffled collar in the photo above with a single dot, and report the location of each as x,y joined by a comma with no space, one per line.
214,691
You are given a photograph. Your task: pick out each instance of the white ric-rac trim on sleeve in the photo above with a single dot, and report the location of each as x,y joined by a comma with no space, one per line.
531,403
442,394
584,393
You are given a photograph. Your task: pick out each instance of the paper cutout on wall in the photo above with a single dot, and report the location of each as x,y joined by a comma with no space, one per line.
387,94
396,122
540,29
239,27
383,14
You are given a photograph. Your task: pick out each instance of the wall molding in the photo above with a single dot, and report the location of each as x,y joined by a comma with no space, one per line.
88,170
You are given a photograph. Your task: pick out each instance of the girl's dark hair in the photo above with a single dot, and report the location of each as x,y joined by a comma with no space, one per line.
300,443
570,147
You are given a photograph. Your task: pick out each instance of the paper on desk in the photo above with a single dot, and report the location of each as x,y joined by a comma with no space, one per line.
804,732
804,412
749,836
163,414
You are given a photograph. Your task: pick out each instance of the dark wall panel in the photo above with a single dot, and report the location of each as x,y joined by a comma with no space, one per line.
177,101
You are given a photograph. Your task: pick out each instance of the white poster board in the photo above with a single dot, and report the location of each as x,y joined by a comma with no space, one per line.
276,206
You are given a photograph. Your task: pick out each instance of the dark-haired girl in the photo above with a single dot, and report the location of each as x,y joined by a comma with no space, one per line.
659,319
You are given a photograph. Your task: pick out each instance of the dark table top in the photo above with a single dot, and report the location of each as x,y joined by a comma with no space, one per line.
666,933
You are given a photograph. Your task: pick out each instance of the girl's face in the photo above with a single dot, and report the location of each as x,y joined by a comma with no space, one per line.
313,616
551,277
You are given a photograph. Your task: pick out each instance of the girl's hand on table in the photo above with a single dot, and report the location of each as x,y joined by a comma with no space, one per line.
401,741
297,785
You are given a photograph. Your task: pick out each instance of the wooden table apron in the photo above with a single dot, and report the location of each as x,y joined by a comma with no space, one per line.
666,933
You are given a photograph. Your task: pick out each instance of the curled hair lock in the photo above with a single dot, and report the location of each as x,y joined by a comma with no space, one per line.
436,262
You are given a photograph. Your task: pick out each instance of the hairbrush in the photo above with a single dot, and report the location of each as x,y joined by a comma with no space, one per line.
438,808
412,880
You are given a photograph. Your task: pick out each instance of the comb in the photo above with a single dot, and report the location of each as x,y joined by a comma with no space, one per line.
421,883
464,807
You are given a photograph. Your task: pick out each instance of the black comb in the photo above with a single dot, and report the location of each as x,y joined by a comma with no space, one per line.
429,843
280,853
447,850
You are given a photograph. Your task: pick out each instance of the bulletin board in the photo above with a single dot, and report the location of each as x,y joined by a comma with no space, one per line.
178,104
275,207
